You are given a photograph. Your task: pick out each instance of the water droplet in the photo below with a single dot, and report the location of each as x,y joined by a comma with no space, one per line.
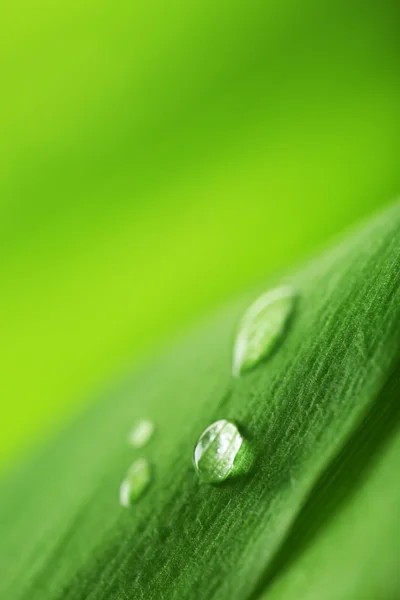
141,433
135,482
216,454
261,328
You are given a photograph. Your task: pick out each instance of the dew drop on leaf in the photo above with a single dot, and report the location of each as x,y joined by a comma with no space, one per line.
135,482
218,452
261,328
141,433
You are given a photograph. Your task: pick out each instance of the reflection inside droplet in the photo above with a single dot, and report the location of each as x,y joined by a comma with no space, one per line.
135,482
261,328
217,451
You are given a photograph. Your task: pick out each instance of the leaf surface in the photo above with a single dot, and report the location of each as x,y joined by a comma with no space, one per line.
64,534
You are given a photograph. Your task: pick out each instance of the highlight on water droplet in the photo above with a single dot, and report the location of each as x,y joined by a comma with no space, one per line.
219,452
261,327
135,482
141,433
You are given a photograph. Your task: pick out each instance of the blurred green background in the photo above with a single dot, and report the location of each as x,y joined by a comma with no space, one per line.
157,157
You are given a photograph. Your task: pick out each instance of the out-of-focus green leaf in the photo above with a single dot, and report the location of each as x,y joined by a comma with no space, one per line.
63,532
159,157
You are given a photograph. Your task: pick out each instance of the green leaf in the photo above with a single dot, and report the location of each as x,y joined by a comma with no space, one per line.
346,541
64,534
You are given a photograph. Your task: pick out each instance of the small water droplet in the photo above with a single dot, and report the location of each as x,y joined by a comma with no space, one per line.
261,328
135,482
141,433
216,455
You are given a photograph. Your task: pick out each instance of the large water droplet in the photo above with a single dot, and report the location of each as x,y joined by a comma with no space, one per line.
216,455
135,482
261,328
141,433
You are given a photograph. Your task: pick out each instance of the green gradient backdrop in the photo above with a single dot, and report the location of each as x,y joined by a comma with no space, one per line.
157,157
